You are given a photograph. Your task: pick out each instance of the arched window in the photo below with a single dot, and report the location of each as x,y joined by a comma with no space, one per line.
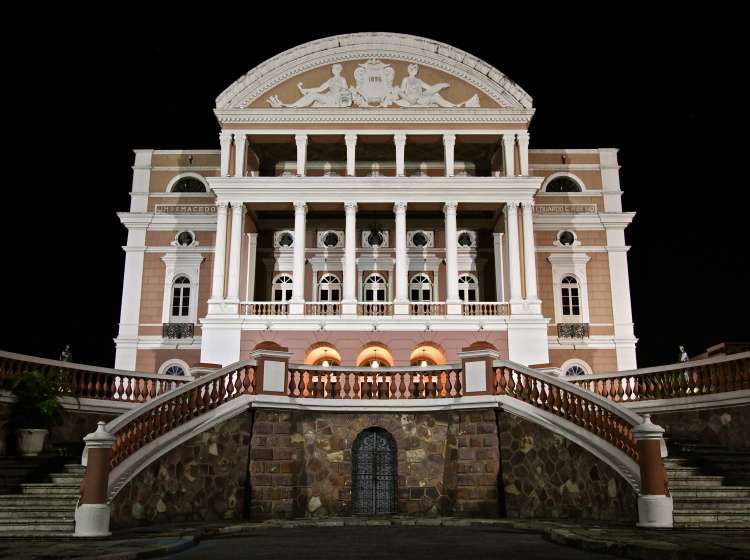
575,367
420,288
174,367
574,370
282,288
571,299
563,184
329,288
375,287
467,287
181,297
189,185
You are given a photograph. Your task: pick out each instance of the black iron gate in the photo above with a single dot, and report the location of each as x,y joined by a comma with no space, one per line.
374,475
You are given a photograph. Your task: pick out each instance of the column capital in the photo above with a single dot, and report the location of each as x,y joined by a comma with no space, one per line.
350,206
350,138
509,138
300,207
399,138
239,207
523,137
509,205
449,139
399,207
450,207
221,205
300,138
225,136
527,205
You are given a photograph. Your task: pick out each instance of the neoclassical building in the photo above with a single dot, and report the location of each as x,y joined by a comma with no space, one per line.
375,201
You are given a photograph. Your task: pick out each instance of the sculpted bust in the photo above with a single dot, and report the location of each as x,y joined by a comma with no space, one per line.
416,93
334,92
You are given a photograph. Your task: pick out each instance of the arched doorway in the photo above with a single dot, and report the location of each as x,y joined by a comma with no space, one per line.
374,474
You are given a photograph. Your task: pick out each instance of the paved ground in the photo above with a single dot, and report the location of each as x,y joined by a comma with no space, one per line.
397,537
380,543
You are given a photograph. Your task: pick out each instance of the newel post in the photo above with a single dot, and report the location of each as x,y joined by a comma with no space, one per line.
654,502
477,376
92,515
272,371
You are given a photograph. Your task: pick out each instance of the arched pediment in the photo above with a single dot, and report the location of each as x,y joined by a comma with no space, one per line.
374,70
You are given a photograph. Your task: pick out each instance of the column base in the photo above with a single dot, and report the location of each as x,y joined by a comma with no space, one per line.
223,307
349,307
400,307
454,307
92,520
296,308
655,512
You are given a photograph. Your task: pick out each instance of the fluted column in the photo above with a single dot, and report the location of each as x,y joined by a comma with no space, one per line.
220,248
523,152
449,145
401,301
235,252
301,141
240,148
351,154
529,253
298,277
225,142
514,258
497,245
252,260
451,259
400,141
509,161
349,302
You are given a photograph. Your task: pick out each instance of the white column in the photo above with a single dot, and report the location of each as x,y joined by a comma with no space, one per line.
514,258
220,247
451,259
620,285
523,152
349,301
235,252
240,149
351,154
449,144
301,140
509,159
401,301
298,278
127,336
400,141
252,259
497,245
225,141
529,257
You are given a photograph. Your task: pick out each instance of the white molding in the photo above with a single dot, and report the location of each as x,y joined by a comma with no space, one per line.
559,174
174,362
570,264
695,402
575,362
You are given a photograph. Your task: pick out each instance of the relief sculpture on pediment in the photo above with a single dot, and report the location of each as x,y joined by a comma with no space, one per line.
374,88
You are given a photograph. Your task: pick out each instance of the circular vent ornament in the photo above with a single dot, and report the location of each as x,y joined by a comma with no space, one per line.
419,239
286,239
331,239
464,239
375,239
185,239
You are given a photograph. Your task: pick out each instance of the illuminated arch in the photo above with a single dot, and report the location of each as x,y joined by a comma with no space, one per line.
321,351
428,352
375,351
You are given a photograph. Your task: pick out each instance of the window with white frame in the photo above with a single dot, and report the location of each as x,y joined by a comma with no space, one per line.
570,294
329,288
574,368
281,289
467,287
181,298
420,288
374,287
174,367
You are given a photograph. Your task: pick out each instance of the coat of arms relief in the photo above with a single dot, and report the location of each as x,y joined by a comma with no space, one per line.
374,88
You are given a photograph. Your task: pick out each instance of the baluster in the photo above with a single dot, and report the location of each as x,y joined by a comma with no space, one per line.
543,397
346,386
402,386
619,391
511,382
721,374
136,389
501,381
420,386
128,390
579,410
357,386
534,392
328,387
428,387
393,386
457,385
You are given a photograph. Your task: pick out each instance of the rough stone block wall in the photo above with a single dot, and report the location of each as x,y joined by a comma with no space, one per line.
477,464
546,476
729,426
204,479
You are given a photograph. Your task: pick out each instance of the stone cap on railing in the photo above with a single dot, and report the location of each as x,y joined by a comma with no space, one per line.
659,369
632,418
34,360
375,371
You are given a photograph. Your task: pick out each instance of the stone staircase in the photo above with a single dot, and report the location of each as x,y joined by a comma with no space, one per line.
41,508
703,498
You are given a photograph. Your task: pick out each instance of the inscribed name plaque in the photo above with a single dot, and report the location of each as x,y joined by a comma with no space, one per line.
475,374
565,209
274,374
185,209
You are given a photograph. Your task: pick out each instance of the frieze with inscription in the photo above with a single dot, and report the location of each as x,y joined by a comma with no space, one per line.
565,209
185,209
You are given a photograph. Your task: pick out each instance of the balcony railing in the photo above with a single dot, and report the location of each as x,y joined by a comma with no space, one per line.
484,308
323,308
177,330
427,308
375,308
264,308
572,330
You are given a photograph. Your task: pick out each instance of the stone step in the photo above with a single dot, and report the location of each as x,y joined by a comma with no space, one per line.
36,500
66,478
716,525
675,460
38,526
36,512
694,481
733,459
681,470
47,488
74,468
690,503
712,515
711,492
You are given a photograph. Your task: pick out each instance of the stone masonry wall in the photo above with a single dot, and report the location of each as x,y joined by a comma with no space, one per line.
546,476
729,426
301,462
203,479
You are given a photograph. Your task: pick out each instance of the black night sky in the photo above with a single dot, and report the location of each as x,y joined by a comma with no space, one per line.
82,92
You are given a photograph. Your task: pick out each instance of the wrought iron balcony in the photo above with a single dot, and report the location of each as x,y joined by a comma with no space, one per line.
573,330
177,330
